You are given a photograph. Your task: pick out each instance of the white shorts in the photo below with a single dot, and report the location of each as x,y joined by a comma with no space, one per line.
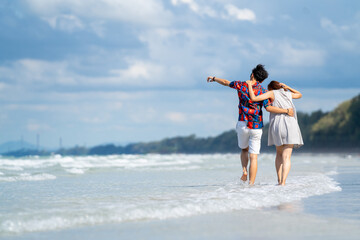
248,137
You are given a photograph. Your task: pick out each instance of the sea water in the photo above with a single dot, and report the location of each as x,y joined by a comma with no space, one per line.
65,193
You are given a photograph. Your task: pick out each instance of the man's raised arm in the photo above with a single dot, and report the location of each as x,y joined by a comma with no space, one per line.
219,80
288,111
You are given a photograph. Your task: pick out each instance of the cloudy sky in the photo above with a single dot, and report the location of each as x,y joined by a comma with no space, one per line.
101,71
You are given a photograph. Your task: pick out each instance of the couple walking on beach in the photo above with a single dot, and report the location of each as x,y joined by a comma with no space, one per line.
284,131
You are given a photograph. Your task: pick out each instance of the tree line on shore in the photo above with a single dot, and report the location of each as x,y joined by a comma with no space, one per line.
334,131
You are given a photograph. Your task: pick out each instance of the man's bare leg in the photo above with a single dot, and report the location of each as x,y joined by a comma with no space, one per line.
253,168
244,162
286,156
279,162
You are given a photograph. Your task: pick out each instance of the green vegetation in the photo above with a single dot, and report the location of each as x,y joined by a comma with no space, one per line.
339,128
223,143
336,131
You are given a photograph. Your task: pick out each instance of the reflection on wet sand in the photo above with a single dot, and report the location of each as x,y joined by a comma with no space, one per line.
293,207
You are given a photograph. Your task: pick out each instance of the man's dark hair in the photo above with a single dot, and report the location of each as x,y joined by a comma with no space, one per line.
259,72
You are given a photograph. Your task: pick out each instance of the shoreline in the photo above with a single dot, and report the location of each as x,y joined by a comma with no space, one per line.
310,217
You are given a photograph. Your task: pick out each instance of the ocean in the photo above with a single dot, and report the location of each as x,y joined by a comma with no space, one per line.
178,196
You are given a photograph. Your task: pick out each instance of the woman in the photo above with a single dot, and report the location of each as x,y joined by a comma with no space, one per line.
284,131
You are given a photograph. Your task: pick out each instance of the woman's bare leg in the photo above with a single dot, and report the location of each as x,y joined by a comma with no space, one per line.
279,162
286,156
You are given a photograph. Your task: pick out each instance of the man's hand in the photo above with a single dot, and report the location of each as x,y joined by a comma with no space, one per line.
248,82
210,79
290,112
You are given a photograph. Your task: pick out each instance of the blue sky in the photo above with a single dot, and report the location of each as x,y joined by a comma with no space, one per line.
100,71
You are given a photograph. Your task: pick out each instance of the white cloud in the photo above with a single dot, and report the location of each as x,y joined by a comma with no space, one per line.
188,55
33,71
67,23
170,63
140,70
191,3
345,37
196,8
34,127
231,11
286,52
244,14
98,28
144,12
333,28
176,117
301,56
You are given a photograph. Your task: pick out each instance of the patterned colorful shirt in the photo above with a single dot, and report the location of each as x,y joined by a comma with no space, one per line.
250,111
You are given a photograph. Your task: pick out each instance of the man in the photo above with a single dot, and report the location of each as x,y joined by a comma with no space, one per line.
250,122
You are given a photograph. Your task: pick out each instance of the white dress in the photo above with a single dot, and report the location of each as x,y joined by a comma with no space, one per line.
284,129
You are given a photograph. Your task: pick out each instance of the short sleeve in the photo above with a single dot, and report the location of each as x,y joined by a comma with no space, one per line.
266,103
235,84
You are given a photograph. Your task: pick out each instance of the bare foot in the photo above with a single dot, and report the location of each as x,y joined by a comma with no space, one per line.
244,177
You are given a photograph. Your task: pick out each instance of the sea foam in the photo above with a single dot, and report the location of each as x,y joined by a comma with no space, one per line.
13,169
28,177
232,196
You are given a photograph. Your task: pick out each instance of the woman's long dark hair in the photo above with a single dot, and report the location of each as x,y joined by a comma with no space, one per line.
274,85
